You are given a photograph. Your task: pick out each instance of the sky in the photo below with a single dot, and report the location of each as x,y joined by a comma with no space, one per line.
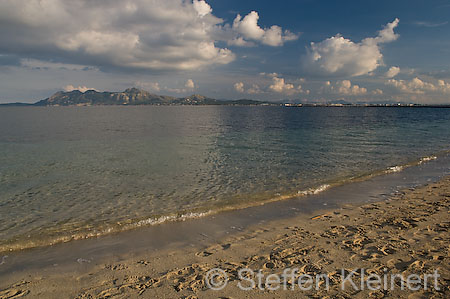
303,50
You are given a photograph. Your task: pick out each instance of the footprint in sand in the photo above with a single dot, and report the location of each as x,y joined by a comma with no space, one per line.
213,249
203,253
13,293
387,250
116,267
188,278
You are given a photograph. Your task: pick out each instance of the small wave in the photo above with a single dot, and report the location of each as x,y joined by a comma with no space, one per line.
426,159
163,219
394,169
399,168
312,191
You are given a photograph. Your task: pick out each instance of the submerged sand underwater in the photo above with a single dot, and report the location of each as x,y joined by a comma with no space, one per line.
406,234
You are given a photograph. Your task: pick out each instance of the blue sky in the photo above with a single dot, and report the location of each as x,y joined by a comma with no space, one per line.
362,51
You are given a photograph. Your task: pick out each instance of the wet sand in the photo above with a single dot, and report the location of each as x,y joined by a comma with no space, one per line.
406,234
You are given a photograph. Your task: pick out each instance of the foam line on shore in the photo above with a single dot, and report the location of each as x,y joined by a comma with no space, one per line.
19,243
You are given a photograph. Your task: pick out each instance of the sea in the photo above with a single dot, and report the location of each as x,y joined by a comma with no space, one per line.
69,173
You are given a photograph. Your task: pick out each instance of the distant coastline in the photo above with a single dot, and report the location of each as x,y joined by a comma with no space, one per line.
139,97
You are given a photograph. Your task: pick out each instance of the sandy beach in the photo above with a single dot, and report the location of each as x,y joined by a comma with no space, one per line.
405,235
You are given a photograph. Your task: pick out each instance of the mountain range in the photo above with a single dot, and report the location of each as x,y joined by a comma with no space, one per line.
131,96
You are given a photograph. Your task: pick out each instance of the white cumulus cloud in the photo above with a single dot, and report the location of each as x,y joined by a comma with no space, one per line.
377,92
128,35
79,88
150,86
444,86
345,87
255,89
248,30
392,72
418,86
277,85
280,86
341,56
239,87
202,8
189,84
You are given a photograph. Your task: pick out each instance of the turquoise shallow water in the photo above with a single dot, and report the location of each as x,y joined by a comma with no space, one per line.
74,172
